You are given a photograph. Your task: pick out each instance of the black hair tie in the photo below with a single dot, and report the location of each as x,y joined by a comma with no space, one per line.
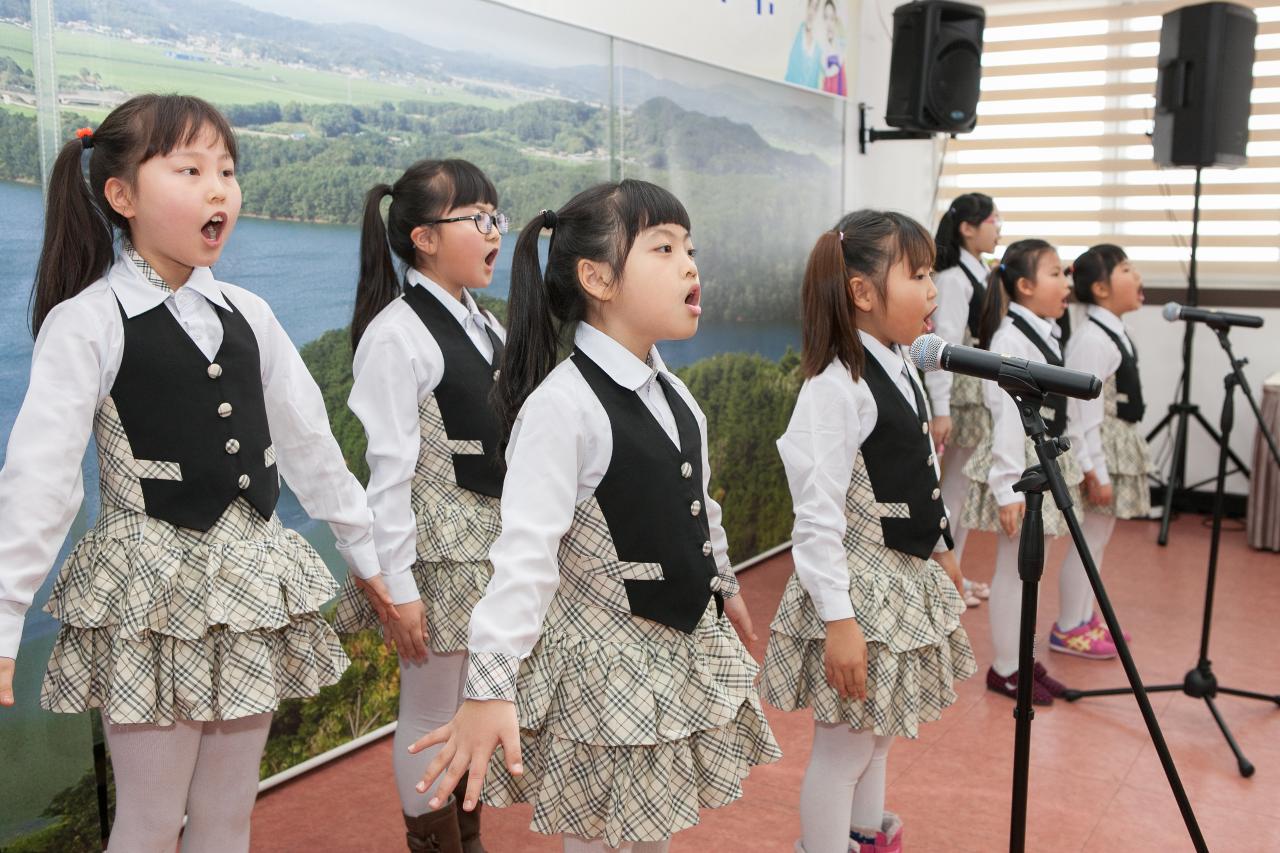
549,219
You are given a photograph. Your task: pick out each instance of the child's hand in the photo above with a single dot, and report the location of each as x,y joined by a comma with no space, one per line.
736,609
375,589
947,559
408,630
469,741
846,659
940,429
7,666
1100,495
1011,518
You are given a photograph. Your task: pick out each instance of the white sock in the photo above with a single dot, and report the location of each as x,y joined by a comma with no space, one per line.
224,785
152,766
955,486
1098,527
430,693
1004,609
837,764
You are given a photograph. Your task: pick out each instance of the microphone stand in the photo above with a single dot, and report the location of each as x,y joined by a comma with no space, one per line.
1020,385
1200,682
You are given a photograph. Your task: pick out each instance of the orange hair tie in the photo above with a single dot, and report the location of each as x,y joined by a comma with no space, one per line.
85,135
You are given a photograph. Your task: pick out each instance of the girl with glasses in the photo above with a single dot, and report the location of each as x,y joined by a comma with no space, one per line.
426,359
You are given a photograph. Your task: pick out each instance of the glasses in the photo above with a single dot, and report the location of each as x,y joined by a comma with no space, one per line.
485,222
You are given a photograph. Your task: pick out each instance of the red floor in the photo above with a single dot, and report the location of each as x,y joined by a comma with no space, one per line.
1096,783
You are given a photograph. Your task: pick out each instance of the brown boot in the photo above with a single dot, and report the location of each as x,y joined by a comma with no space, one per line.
468,822
434,832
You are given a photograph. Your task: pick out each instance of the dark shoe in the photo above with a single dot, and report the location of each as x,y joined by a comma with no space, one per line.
434,832
1008,686
1055,687
468,822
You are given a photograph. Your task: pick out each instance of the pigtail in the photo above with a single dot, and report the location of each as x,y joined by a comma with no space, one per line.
971,208
828,331
532,330
78,245
378,284
995,304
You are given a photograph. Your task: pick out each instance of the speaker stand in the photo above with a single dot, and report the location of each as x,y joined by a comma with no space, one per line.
868,135
1182,409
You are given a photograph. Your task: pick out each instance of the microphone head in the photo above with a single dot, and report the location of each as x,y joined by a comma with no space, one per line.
1172,311
926,352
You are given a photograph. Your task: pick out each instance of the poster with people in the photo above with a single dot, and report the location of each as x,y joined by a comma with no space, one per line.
326,100
817,58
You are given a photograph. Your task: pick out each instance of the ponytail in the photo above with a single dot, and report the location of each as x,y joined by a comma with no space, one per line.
971,208
995,304
1019,262
828,331
378,285
78,247
533,332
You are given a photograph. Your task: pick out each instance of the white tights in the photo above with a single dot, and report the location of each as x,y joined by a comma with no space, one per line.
955,487
843,787
1098,528
1075,601
430,693
574,844
209,771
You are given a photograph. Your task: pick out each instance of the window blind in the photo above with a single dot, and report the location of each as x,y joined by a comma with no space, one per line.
1068,98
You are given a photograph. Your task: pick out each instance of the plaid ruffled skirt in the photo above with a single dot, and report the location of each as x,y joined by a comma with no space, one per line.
161,623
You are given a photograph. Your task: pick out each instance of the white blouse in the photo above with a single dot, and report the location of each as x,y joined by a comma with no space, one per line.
1008,440
951,321
833,416
1093,352
397,364
73,367
559,451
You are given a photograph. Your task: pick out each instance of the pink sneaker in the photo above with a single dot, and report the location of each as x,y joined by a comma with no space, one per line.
888,839
1096,622
1086,641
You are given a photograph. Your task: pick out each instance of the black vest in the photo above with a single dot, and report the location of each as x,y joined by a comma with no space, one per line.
975,301
1128,380
1057,425
463,393
652,498
899,459
171,404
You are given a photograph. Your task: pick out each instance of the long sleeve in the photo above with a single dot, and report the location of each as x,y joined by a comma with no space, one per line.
307,454
949,323
539,495
390,374
41,486
1008,441
816,454
1090,352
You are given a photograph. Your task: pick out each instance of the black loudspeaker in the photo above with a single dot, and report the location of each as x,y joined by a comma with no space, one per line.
936,68
1203,83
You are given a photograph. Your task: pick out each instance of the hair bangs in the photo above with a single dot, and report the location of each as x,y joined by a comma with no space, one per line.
915,245
466,185
176,120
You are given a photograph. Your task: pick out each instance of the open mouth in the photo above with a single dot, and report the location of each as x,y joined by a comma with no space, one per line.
212,230
491,259
928,320
694,299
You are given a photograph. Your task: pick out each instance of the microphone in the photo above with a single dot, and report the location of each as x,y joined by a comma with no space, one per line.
1214,319
930,353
